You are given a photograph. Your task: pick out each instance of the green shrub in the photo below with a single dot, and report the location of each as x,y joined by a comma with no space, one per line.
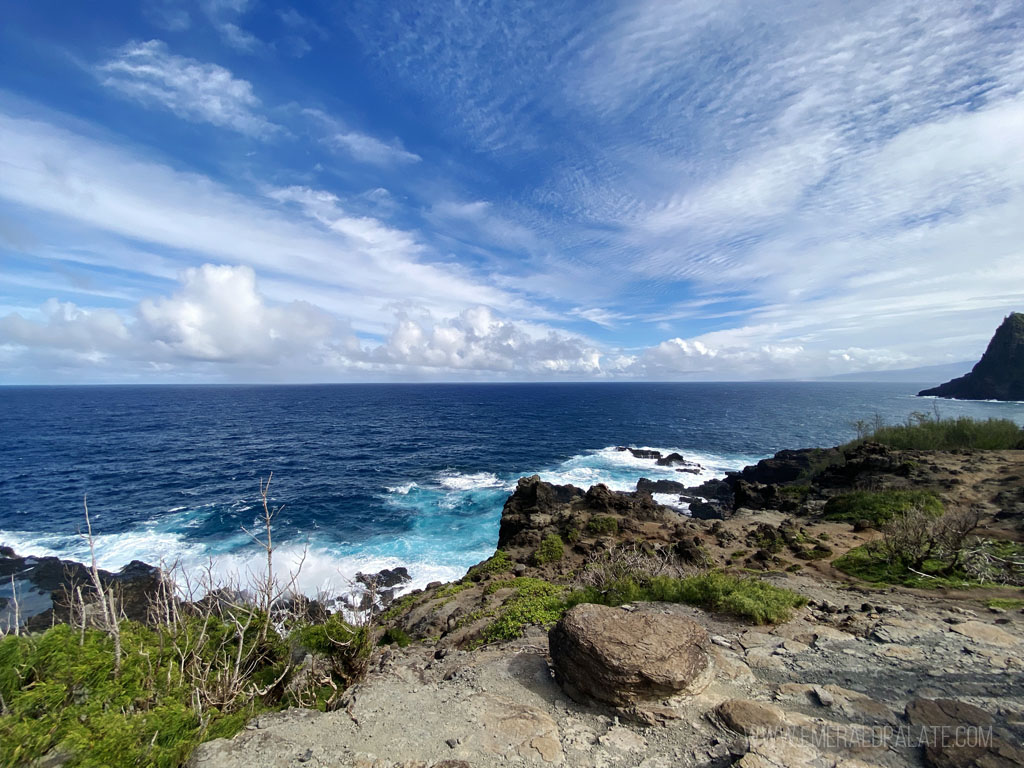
601,525
395,636
551,550
63,695
535,601
879,507
927,432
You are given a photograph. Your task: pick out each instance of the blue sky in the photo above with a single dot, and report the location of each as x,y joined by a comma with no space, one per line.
238,190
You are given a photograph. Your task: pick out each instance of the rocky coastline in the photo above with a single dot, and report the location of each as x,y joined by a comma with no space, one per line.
857,676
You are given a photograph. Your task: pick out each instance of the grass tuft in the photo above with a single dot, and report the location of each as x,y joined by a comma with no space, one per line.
551,550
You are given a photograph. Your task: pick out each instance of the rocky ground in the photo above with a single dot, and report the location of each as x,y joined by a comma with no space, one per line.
860,676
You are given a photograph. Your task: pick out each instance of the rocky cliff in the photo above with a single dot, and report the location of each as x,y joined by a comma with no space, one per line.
999,375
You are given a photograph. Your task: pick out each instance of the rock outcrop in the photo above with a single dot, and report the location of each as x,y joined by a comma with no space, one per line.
999,375
621,657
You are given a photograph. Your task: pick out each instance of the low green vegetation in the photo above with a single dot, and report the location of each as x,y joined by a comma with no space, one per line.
534,601
60,692
1006,603
746,598
870,564
538,602
928,432
452,588
880,507
601,525
551,550
499,562
395,636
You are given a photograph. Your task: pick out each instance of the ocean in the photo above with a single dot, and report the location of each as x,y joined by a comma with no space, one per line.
376,476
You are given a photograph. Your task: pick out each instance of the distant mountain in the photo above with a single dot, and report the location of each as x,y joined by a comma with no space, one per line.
922,375
999,375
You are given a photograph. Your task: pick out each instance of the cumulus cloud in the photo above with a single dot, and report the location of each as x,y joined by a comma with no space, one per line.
197,91
219,316
477,340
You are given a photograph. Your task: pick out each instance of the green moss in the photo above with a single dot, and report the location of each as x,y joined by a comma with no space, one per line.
551,550
601,525
879,507
398,607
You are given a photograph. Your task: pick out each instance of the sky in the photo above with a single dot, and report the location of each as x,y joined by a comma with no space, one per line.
247,191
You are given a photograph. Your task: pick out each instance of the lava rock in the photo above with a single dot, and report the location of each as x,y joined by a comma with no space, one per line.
622,657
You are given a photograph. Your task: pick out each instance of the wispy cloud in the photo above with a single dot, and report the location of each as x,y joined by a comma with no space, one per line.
201,92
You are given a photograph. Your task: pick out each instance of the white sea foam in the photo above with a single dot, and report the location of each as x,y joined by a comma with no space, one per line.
401,490
458,481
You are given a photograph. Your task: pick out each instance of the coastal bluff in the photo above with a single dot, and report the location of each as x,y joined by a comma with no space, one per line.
999,375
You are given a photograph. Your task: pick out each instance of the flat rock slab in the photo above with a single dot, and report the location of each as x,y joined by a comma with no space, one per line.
623,657
981,632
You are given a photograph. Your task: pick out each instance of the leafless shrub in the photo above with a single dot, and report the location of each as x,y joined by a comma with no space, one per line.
109,604
630,562
917,535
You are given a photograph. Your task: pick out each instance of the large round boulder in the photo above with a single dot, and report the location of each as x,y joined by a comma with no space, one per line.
622,657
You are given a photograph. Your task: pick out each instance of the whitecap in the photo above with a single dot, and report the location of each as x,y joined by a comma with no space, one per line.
458,481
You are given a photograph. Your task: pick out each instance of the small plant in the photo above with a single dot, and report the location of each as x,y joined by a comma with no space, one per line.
601,525
395,636
551,550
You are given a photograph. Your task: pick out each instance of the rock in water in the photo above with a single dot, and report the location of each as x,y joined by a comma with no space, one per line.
999,375
624,657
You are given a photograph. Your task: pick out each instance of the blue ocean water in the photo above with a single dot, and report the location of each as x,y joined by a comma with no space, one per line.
375,476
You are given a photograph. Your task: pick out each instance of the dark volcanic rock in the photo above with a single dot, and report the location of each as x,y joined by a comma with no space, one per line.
638,505
641,453
531,507
385,579
660,486
999,375
788,466
671,460
622,657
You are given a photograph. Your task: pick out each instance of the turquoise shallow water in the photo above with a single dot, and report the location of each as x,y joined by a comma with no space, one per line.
375,476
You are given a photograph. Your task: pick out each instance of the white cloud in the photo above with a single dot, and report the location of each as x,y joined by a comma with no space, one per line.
200,92
218,315
108,190
223,15
368,149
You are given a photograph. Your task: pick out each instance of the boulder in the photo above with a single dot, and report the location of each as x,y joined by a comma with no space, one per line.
751,718
621,657
660,486
643,453
960,735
